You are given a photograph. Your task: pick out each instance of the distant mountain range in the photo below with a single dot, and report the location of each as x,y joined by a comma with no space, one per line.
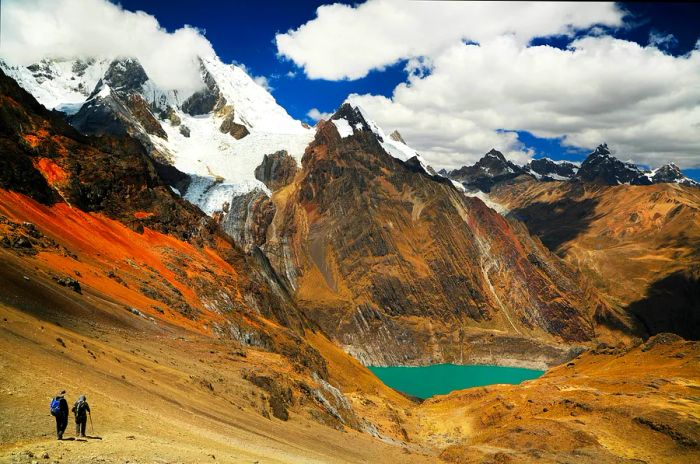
599,167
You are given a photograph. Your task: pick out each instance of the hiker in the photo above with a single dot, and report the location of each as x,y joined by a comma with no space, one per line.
59,409
81,409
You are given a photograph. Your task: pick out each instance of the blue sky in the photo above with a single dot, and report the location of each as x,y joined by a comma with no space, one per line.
244,32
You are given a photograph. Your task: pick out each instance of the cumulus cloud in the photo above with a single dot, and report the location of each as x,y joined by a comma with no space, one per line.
478,78
662,41
317,115
346,42
638,99
36,29
263,82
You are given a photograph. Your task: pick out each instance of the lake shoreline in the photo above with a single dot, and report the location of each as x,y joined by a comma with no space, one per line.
424,382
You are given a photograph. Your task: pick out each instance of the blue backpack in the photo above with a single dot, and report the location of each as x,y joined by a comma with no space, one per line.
55,406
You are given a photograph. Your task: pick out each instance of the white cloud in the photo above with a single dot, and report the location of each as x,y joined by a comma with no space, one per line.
473,77
662,41
36,29
263,82
638,99
346,42
317,115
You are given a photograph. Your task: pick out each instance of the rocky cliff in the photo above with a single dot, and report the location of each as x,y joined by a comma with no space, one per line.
400,267
638,244
90,233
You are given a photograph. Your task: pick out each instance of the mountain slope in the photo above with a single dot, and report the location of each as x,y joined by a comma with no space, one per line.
90,234
401,268
232,120
638,244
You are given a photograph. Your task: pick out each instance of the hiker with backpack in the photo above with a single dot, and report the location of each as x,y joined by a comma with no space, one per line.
59,409
81,409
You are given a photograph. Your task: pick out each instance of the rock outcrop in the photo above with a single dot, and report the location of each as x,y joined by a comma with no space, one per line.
492,168
206,100
117,107
548,170
277,170
401,268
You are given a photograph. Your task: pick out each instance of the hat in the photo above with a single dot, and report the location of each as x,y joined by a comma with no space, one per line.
81,398
61,393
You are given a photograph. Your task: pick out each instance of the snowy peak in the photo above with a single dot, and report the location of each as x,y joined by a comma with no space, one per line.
600,167
217,135
603,168
547,169
125,75
62,85
670,173
493,167
350,118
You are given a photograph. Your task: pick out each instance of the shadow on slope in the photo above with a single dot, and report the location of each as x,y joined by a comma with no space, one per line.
559,222
672,304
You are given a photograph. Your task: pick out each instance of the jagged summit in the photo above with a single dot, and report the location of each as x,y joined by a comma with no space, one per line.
493,167
350,118
217,135
125,74
670,173
601,150
600,167
493,153
603,168
548,169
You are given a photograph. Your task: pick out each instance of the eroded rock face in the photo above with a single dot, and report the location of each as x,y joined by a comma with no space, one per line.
603,168
639,243
402,268
277,170
247,219
116,106
491,169
231,127
206,100
397,136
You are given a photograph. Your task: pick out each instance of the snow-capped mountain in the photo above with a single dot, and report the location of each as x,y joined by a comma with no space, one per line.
351,118
548,169
493,167
600,167
670,173
61,85
217,135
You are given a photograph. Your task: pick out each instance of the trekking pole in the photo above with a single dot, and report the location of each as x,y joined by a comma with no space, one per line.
92,429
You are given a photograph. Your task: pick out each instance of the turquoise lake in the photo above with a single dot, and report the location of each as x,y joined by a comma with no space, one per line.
439,379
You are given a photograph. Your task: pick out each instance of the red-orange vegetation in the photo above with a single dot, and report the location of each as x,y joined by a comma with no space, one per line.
142,214
104,245
52,172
